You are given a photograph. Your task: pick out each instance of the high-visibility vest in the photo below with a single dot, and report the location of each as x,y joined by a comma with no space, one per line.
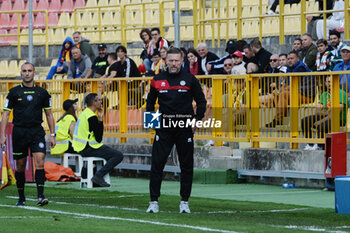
82,134
62,134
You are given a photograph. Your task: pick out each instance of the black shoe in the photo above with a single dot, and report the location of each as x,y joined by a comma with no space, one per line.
21,202
100,181
42,201
273,123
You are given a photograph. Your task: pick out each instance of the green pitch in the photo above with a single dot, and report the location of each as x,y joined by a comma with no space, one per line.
215,208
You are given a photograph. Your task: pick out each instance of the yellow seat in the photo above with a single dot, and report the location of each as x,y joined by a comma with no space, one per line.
170,34
103,3
168,19
65,20
3,68
12,69
37,38
24,36
186,5
91,3
59,36
107,19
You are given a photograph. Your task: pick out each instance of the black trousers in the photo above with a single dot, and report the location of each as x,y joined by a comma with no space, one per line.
163,143
113,157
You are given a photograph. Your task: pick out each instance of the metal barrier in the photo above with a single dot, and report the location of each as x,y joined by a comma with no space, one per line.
19,34
245,104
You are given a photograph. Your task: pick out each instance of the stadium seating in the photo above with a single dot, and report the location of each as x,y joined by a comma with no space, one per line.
65,20
13,39
79,3
67,6
55,6
14,21
18,5
25,22
42,5
53,19
6,5
3,39
4,21
39,20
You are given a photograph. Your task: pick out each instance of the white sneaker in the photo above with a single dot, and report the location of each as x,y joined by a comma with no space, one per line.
315,147
153,207
307,147
271,12
184,208
210,143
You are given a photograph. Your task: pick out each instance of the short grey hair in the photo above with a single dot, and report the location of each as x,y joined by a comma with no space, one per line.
202,45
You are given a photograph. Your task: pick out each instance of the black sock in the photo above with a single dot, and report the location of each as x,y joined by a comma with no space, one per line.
20,180
40,181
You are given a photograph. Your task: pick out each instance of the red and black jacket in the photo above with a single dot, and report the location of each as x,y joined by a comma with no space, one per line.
175,93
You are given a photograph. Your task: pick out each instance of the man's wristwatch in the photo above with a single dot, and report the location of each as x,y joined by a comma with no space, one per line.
53,135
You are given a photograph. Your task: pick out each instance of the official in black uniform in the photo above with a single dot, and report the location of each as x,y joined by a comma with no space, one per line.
27,101
175,91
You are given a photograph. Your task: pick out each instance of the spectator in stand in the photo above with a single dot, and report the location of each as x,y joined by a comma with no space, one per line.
267,99
186,63
157,41
64,58
157,64
193,58
84,45
217,66
228,65
321,121
274,5
283,59
240,45
111,70
337,45
79,66
324,56
146,37
205,57
308,52
262,56
249,58
298,45
162,53
306,89
312,20
126,67
344,66
238,67
100,63
334,22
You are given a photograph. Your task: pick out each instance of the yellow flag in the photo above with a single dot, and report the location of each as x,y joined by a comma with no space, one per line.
7,177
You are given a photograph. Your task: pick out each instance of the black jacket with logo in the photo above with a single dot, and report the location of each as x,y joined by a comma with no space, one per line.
175,93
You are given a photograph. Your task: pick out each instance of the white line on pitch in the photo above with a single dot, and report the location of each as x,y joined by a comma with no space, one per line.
245,194
120,219
257,211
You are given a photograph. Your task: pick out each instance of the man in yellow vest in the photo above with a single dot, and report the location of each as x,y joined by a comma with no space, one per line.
88,135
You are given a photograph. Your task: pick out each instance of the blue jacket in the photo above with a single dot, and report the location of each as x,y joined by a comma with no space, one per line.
68,39
307,83
342,80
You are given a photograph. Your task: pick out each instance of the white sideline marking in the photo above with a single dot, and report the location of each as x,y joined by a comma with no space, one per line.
245,194
257,211
109,197
311,228
120,219
87,205
22,217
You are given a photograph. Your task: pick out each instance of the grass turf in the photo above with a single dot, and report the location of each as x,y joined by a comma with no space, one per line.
75,210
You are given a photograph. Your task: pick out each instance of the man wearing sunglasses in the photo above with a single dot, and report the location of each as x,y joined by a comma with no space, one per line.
157,42
27,101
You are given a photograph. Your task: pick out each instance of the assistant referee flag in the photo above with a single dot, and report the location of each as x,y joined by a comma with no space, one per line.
7,177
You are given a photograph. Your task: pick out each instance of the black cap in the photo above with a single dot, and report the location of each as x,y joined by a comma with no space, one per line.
230,46
102,46
68,103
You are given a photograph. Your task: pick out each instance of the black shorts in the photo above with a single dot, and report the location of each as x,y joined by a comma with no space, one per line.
24,138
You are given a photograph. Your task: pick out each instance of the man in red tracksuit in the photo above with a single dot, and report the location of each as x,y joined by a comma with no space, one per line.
175,91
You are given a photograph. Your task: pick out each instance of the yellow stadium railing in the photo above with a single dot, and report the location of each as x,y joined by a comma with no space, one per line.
19,34
246,105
